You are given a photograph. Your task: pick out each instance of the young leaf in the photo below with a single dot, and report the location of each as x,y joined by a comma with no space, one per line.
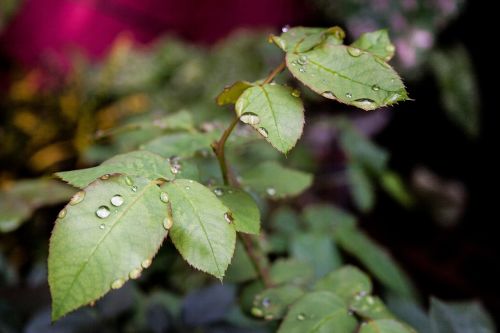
231,93
202,230
362,191
302,39
375,258
275,181
377,43
319,311
136,163
180,144
244,210
385,326
291,271
241,268
272,303
275,111
345,282
347,74
107,233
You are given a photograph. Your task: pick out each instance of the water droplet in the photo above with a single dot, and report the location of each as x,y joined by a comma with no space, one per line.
355,52
296,93
175,165
328,94
164,196
102,212
187,188
62,213
218,191
146,263
263,132
117,284
135,273
250,118
102,226
301,316
105,177
257,312
392,98
77,198
228,217
285,28
348,95
129,181
365,103
302,60
168,222
175,169
117,200
375,87
134,188
390,48
302,69
370,300
271,191
266,302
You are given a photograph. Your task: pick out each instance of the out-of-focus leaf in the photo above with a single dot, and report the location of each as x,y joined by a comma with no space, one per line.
275,111
409,311
136,163
317,249
291,271
459,88
326,217
285,220
385,326
231,93
319,311
272,303
345,282
244,210
393,184
459,317
275,181
362,190
241,268
348,75
375,259
180,144
201,230
377,43
91,248
369,307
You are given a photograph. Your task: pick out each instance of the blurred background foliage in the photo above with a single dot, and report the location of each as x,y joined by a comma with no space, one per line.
397,168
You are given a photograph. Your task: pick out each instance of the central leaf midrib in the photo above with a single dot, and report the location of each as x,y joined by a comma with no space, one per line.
274,116
202,227
118,216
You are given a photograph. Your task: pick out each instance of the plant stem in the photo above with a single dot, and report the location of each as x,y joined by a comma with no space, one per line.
275,72
258,259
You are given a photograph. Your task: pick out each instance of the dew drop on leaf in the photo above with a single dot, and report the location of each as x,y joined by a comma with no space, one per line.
164,197
375,87
134,188
302,69
353,51
263,132
301,316
250,118
168,222
218,191
302,60
146,263
328,94
102,212
390,48
271,191
348,95
102,226
228,217
129,181
135,273
117,200
62,213
188,188
118,283
285,28
365,103
77,198
105,177
296,93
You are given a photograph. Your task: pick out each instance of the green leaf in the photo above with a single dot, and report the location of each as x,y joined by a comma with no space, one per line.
241,268
244,210
375,259
459,317
326,217
274,112
107,233
454,72
377,43
301,39
348,75
181,144
231,93
345,282
272,303
361,185
317,249
385,326
284,220
291,271
369,307
136,163
13,212
201,231
275,181
392,183
318,312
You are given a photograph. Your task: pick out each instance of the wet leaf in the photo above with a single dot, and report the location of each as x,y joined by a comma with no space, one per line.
345,282
244,210
377,43
272,303
231,93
